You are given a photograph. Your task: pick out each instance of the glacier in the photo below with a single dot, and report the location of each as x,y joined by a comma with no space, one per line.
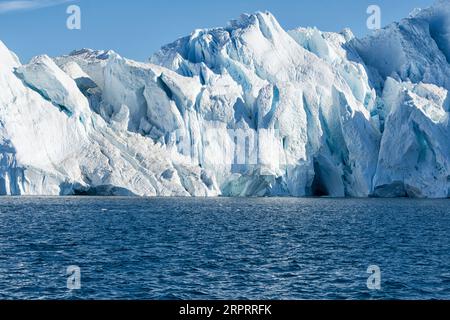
249,109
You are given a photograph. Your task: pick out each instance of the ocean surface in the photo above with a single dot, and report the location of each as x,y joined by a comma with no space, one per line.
132,248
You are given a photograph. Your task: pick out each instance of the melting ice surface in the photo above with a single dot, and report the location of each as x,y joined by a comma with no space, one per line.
333,115
233,248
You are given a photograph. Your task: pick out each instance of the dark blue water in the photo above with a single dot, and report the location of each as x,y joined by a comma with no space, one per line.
224,248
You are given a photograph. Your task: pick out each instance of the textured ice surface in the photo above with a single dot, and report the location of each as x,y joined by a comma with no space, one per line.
245,110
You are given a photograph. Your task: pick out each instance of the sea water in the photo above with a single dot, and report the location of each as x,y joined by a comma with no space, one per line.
245,248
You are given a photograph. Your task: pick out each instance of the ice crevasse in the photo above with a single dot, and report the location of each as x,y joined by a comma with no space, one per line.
245,110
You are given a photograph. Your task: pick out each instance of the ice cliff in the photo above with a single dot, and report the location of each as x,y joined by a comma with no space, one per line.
245,110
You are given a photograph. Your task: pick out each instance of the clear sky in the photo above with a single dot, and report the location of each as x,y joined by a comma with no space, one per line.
137,28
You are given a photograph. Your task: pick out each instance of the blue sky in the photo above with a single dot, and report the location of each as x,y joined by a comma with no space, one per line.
137,28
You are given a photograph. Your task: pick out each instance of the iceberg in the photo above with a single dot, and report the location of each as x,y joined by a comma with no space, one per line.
249,109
